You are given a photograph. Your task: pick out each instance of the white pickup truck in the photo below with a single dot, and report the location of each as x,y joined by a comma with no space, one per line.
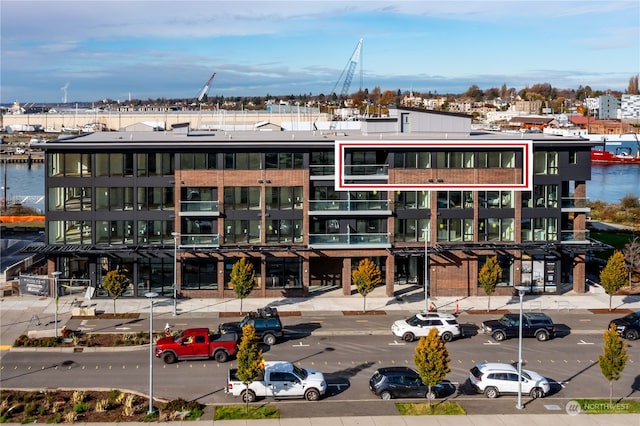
280,379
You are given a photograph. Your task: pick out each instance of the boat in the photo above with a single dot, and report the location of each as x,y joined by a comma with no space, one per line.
621,154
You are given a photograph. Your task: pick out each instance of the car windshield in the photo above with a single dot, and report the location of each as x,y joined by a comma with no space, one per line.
508,321
301,372
526,376
414,320
178,336
632,316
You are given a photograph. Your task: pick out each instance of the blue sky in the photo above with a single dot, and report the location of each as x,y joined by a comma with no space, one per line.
153,49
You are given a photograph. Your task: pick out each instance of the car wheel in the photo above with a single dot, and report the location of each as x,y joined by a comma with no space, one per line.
542,336
312,395
631,334
169,358
536,393
499,336
408,337
447,337
248,396
269,339
431,395
385,395
491,392
220,356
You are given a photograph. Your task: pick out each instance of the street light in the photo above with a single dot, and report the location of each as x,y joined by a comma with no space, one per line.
55,274
519,405
150,296
176,235
426,269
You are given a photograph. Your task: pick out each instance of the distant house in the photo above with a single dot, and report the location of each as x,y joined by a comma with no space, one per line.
529,123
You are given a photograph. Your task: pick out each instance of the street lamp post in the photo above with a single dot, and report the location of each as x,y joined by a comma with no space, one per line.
150,296
176,235
426,269
519,405
55,274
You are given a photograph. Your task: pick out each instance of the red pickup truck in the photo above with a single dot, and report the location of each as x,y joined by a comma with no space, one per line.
198,343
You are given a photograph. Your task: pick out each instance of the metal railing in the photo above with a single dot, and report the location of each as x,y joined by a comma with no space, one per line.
199,240
348,205
199,207
349,239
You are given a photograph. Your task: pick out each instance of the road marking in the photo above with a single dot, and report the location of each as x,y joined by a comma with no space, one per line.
582,342
489,342
396,343
299,345
123,328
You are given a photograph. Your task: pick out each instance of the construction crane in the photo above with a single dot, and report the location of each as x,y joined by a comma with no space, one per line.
349,69
205,89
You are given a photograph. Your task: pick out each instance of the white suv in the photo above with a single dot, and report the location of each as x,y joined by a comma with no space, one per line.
419,326
495,378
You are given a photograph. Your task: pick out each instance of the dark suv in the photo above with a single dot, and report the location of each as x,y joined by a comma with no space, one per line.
265,321
404,382
534,324
628,326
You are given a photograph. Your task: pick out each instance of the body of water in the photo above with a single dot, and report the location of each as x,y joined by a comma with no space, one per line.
609,183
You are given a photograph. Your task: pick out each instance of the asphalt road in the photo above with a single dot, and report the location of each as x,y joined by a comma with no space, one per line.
347,358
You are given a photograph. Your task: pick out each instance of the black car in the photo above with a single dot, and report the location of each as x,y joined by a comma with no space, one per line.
534,324
265,321
628,326
404,382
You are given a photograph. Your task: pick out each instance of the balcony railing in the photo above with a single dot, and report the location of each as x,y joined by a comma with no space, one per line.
380,171
200,208
199,240
574,236
348,205
322,170
378,239
574,203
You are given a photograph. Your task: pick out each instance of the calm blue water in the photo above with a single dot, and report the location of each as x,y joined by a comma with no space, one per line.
609,183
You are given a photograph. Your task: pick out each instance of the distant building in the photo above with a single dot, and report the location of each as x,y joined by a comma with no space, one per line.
630,106
608,107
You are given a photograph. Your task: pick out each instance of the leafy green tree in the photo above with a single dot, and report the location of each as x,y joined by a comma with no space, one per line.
432,361
366,278
490,274
243,279
614,357
249,358
116,283
614,275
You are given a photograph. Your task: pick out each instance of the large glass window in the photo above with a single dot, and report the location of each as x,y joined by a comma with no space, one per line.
497,160
199,274
284,160
321,163
242,198
455,229
496,199
496,229
198,161
412,160
284,231
155,232
69,232
545,162
412,200
114,232
70,199
455,199
283,272
243,160
539,229
454,160
284,198
242,231
410,230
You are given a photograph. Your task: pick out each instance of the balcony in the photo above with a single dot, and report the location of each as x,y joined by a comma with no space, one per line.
349,207
575,204
199,240
349,241
199,208
366,171
574,236
324,171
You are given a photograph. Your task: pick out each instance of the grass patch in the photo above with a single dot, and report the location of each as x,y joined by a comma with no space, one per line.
238,412
602,406
445,408
615,239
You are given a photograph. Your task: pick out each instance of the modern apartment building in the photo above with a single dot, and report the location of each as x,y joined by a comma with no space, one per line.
305,207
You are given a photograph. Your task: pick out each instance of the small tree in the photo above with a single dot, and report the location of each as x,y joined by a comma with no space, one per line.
631,252
614,357
490,274
614,275
432,360
249,358
243,279
116,284
366,277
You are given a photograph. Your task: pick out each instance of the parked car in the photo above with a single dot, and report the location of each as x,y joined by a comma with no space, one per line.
197,343
405,382
534,324
279,379
628,326
265,321
420,324
496,378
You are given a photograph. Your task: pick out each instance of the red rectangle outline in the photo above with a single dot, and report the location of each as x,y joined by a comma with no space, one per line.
526,146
